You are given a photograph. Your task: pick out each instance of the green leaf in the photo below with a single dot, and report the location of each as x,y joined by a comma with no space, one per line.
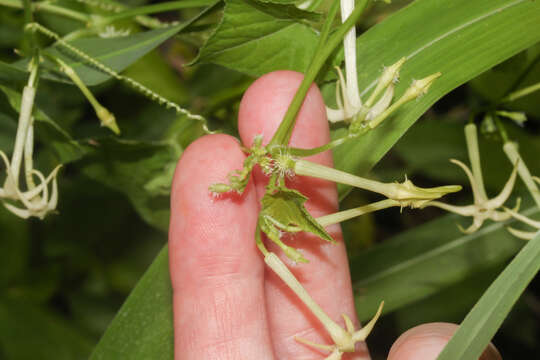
14,247
131,167
485,318
11,75
116,53
256,38
425,260
435,35
143,328
8,130
162,77
445,305
29,332
515,73
280,1
286,207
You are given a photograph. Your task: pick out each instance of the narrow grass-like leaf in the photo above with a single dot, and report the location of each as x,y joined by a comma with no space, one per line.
487,315
142,328
425,260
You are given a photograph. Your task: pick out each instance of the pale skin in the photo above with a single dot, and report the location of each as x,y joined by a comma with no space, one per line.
227,304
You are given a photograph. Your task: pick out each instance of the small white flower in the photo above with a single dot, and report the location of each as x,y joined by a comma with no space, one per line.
482,208
36,201
526,235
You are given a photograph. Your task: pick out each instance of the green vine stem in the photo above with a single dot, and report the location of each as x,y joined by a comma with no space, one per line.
284,131
133,83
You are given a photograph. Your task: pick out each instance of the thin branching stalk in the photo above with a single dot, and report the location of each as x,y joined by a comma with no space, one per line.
511,151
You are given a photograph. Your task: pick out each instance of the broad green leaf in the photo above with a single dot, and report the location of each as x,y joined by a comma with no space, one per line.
115,53
256,38
425,260
162,77
286,207
143,328
29,332
131,167
460,38
485,318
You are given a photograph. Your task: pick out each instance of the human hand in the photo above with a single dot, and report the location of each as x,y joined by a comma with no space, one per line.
227,305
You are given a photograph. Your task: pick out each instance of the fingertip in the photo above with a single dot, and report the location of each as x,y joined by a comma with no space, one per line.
426,341
201,222
266,101
205,161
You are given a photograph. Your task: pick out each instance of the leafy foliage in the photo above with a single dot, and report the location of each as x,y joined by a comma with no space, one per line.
63,280
251,35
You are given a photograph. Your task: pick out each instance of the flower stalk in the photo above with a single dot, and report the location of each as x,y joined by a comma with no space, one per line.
406,193
344,339
106,118
35,199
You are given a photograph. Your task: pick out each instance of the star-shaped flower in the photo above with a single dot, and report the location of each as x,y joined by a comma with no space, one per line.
525,235
36,201
482,208
344,339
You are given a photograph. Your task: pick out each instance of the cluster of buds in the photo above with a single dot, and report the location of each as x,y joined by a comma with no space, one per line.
239,179
379,105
